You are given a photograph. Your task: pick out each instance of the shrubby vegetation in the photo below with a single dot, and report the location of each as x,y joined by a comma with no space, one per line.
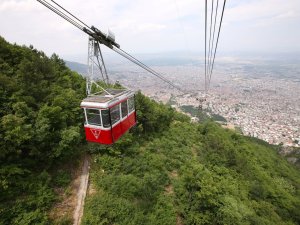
40,127
175,172
165,171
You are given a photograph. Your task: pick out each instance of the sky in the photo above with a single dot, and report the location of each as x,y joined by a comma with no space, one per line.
143,26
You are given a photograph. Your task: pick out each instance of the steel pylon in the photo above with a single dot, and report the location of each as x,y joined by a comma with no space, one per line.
96,66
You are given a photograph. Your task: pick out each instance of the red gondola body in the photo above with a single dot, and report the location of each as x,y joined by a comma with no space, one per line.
108,117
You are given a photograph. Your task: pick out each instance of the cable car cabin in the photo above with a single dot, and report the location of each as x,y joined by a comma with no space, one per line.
108,117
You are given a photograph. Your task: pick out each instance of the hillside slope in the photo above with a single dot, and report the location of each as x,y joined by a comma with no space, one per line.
40,131
175,172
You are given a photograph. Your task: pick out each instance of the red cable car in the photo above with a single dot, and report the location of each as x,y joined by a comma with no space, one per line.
108,116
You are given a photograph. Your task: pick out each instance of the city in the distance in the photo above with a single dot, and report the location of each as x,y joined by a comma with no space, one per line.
257,96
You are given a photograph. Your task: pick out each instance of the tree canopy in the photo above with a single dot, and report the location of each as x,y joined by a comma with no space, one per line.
177,172
40,124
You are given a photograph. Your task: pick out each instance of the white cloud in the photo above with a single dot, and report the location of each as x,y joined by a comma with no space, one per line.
261,10
17,5
164,25
289,14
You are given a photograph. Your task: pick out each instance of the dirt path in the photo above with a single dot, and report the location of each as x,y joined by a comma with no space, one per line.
81,193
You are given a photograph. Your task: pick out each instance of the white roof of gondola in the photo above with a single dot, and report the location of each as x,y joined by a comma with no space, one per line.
105,100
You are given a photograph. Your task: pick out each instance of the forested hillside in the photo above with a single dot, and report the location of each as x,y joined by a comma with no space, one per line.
165,171
175,172
40,127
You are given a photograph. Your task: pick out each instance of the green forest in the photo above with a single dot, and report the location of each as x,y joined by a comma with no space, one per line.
40,129
166,170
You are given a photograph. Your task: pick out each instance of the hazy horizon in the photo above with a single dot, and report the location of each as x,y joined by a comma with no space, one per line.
199,56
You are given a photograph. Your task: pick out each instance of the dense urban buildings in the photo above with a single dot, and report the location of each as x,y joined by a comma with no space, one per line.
261,98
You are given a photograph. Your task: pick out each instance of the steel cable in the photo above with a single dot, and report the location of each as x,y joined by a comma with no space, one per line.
213,38
139,63
216,46
70,14
205,87
209,42
118,50
60,13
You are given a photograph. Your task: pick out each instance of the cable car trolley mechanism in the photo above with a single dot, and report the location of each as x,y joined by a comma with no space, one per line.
109,113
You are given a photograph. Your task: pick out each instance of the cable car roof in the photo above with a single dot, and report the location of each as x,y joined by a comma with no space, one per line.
105,100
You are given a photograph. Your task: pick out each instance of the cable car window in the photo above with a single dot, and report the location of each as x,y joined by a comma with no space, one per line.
124,109
93,117
131,104
115,114
105,118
